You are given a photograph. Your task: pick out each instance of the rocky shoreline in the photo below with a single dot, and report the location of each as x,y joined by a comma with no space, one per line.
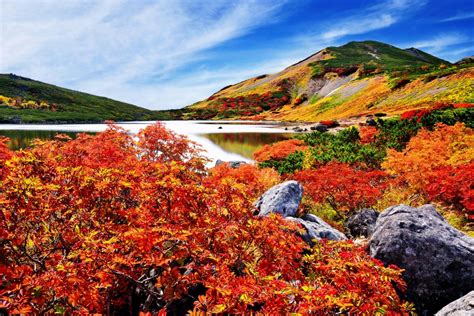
334,126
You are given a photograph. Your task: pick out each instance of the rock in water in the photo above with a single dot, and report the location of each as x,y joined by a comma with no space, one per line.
319,127
437,258
283,199
460,307
362,223
317,229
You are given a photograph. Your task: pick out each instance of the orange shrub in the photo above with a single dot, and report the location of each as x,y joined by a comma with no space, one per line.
427,151
436,163
247,178
367,134
279,150
454,185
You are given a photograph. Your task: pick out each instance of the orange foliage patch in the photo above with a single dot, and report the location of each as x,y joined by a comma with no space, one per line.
432,158
279,150
343,187
367,134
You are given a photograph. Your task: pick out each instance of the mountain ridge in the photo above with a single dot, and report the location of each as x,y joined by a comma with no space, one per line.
316,87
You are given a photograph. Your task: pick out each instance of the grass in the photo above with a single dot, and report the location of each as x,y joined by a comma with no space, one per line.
375,55
73,106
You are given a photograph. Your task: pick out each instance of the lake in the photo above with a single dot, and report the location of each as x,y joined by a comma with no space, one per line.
225,140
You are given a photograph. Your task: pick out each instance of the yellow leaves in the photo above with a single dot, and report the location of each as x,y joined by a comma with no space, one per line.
126,184
112,240
218,309
30,244
245,298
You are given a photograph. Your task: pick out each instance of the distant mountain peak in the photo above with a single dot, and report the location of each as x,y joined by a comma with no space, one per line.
354,79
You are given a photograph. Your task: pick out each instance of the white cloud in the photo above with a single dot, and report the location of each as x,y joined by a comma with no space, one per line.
459,16
440,42
359,26
197,84
362,21
112,47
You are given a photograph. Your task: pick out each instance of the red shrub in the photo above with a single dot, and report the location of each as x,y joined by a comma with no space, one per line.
330,123
463,105
342,187
5,153
412,114
454,185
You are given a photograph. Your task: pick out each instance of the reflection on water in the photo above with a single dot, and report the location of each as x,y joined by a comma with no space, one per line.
23,138
245,144
220,140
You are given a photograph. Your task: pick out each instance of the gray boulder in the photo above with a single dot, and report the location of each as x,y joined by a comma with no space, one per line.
233,164
437,258
283,199
319,127
317,229
460,307
362,223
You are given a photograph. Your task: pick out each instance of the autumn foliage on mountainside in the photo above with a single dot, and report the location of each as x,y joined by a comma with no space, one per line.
111,224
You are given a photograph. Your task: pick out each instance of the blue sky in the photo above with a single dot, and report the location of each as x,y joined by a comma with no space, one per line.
170,53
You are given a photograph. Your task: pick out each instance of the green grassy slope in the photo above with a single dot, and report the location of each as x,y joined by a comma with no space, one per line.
377,54
72,106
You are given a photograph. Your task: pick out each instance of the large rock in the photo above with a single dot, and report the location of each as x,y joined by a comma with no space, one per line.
317,229
362,223
438,259
283,199
460,307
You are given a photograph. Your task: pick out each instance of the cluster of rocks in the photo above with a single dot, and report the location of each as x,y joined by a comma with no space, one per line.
316,127
284,199
438,260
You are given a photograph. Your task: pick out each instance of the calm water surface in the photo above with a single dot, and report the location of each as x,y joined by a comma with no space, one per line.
225,140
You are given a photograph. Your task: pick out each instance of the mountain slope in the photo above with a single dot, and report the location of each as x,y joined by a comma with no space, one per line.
27,100
355,79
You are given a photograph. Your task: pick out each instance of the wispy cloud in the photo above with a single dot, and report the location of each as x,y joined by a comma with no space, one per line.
359,26
439,42
362,21
449,46
459,16
109,47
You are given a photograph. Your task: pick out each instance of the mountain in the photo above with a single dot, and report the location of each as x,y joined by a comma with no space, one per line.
26,100
356,79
